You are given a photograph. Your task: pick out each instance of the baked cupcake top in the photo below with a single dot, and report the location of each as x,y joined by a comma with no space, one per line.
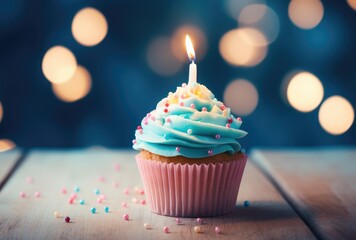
190,122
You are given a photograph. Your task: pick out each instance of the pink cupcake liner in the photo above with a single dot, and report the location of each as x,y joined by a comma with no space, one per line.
184,190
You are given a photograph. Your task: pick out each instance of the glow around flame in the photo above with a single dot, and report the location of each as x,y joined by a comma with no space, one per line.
190,49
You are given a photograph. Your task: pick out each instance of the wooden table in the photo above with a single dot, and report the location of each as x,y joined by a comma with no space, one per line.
293,194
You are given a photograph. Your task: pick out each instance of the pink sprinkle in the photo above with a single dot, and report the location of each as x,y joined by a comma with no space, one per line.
140,131
165,110
217,136
145,122
148,114
182,96
133,142
223,107
102,196
184,85
178,149
125,217
228,125
181,104
117,166
71,200
115,184
168,120
101,179
37,194
126,191
192,106
229,120
64,191
29,180
142,192
166,104
178,221
200,221
239,119
73,195
165,229
217,230
152,118
204,109
143,202
124,204
22,194
210,152
139,127
99,200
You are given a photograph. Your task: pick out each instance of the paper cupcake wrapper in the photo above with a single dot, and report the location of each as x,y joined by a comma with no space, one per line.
184,190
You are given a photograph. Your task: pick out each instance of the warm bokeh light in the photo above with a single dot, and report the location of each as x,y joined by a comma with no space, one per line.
76,88
336,115
198,39
241,96
160,57
262,18
234,7
89,26
305,92
243,47
306,14
59,64
352,4
1,112
6,144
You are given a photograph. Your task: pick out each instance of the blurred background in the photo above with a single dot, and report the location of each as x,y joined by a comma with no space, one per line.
84,73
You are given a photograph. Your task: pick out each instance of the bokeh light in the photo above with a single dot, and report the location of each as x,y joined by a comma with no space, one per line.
89,26
352,4
75,88
59,64
198,39
160,57
305,92
336,115
241,96
1,112
243,47
234,7
6,144
306,14
261,17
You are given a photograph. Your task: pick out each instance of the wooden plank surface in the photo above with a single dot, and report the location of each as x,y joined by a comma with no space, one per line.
320,183
268,216
7,162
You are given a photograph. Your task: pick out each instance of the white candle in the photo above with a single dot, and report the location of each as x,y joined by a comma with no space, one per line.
191,56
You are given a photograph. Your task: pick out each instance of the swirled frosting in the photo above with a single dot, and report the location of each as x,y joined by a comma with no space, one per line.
190,122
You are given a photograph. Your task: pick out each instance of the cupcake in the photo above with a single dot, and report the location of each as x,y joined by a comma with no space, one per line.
190,161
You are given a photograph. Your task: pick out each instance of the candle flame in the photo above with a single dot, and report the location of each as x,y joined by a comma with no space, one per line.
190,49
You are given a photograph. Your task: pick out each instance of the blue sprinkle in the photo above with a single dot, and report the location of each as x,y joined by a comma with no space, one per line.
76,189
246,203
93,210
106,209
81,201
96,191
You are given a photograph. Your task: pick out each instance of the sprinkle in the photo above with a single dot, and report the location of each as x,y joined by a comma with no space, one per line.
229,120
239,119
73,195
165,229
140,131
124,204
102,196
57,214
223,107
228,125
189,131
168,120
71,200
184,85
204,109
147,225
145,122
64,191
67,219
139,127
210,152
134,200
101,179
217,136
166,105
181,104
76,189
115,184
178,221
198,229
125,217
29,180
81,201
143,202
106,209
246,203
96,191
37,194
192,106
142,192
217,230
93,210
126,191
200,221
117,166
178,149
165,110
134,141
99,200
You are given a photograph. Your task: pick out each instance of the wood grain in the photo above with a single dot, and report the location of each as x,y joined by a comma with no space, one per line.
7,162
320,183
269,216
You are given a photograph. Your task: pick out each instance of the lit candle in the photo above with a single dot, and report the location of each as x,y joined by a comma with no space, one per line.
191,56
